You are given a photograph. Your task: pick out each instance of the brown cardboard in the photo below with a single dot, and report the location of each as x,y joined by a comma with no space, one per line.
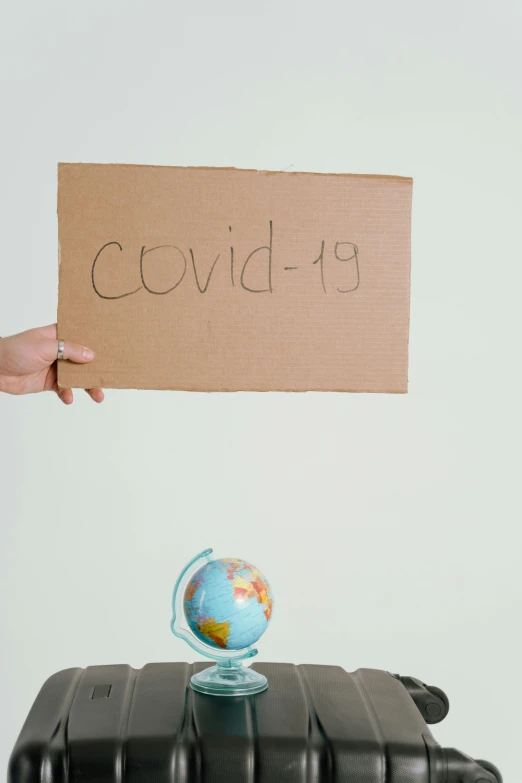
313,295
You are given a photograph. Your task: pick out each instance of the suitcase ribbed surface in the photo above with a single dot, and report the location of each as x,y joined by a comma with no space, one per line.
315,724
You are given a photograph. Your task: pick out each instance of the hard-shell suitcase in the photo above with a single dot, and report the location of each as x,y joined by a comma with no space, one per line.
315,724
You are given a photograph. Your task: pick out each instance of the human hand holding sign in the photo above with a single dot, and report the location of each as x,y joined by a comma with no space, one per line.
28,363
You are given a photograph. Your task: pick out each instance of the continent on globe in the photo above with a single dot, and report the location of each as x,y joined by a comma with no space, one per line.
216,633
228,604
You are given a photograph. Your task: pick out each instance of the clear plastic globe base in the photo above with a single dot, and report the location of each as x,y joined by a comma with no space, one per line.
220,608
229,678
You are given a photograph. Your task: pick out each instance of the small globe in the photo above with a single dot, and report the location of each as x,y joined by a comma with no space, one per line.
228,604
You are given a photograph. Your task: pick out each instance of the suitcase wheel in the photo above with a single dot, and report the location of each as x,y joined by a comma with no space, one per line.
490,768
432,702
434,712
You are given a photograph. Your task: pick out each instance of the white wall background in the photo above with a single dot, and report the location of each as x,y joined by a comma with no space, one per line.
389,525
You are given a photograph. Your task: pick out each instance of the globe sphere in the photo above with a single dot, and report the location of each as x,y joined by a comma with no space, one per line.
228,604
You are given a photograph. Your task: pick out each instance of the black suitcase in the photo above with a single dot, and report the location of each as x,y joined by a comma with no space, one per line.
315,724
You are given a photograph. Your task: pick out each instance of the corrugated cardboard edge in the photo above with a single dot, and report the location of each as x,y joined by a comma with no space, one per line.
187,389
408,334
234,169
405,180
59,362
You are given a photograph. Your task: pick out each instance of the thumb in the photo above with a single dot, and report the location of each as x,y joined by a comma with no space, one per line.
71,351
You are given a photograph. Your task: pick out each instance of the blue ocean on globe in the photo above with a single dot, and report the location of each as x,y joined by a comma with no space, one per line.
228,604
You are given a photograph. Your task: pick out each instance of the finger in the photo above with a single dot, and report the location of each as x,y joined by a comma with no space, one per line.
71,351
51,383
48,331
77,353
65,395
96,394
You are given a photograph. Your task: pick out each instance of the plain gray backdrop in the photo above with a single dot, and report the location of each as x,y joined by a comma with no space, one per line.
388,525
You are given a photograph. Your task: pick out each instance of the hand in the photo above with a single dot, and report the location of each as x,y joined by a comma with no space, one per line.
28,363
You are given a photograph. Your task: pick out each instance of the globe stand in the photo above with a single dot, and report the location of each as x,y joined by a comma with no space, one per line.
228,677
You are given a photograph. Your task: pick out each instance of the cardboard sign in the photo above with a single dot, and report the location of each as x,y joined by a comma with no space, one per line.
223,279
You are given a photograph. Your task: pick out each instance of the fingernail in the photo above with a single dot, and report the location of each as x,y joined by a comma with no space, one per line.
88,354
